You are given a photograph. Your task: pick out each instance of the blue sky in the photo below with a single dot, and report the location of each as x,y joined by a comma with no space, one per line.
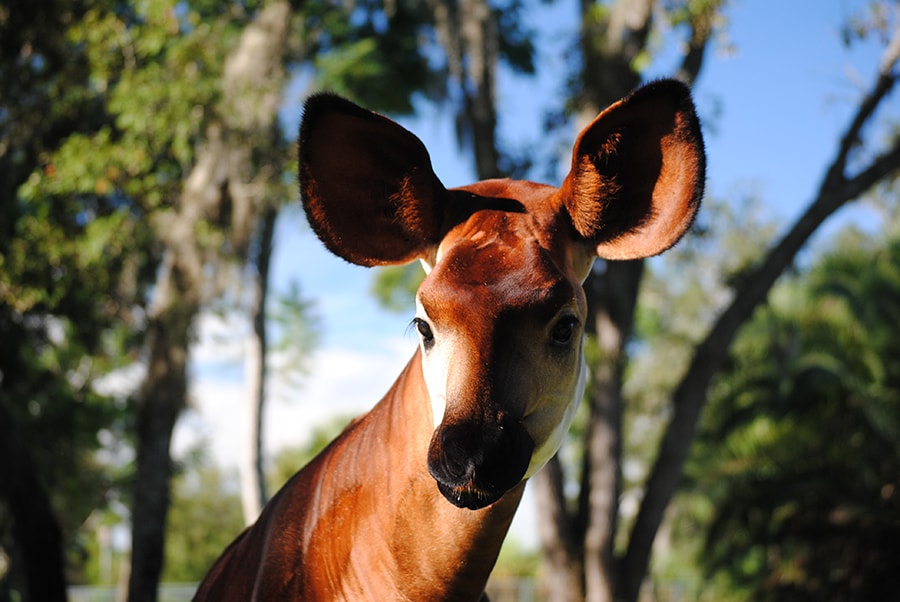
773,111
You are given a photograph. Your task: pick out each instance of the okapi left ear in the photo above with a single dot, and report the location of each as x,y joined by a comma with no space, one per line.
367,184
638,172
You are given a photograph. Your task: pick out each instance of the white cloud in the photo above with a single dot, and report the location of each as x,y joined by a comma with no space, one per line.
340,382
122,382
220,339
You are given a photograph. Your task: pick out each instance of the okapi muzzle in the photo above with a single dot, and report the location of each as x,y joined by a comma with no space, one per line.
475,464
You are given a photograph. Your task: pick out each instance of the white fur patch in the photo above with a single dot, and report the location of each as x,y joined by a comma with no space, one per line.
435,368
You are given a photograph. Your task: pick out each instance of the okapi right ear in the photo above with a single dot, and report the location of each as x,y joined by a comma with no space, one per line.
638,172
368,188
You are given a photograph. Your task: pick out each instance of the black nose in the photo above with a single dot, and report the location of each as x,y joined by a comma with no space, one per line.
475,464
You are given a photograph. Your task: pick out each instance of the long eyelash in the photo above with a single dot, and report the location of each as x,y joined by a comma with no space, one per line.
410,327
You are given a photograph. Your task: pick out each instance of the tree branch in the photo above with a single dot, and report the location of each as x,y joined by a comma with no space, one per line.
851,138
701,25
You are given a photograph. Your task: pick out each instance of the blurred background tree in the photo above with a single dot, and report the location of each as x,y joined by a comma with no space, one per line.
799,453
67,278
205,518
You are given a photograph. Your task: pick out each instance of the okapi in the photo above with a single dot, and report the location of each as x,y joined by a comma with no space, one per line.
412,501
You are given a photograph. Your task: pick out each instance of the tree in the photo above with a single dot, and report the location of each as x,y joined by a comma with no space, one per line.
253,484
841,184
800,451
54,268
132,162
351,49
474,38
580,544
162,144
222,182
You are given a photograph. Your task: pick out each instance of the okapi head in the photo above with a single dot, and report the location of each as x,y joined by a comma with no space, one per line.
501,312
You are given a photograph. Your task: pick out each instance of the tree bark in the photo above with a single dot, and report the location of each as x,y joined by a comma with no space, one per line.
253,478
36,530
469,33
611,317
160,402
253,495
560,543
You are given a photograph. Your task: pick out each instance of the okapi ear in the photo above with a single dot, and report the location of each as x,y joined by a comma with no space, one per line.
638,172
367,185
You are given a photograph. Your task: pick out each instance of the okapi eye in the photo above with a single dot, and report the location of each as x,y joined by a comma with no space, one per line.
564,330
424,330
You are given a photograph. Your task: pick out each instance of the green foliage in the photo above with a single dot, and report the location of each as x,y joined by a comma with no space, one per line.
800,450
102,559
873,19
103,107
515,560
60,264
205,517
369,52
395,287
157,76
48,386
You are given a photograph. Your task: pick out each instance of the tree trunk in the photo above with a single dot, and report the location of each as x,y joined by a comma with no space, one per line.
613,294
253,478
609,49
560,543
481,37
469,33
36,531
161,400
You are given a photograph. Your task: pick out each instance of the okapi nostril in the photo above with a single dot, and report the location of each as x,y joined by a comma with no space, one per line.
455,459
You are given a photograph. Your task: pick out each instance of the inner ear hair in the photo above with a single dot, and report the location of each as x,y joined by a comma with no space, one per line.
638,173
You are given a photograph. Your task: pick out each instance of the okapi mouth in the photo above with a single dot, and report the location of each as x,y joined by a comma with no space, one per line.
474,465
